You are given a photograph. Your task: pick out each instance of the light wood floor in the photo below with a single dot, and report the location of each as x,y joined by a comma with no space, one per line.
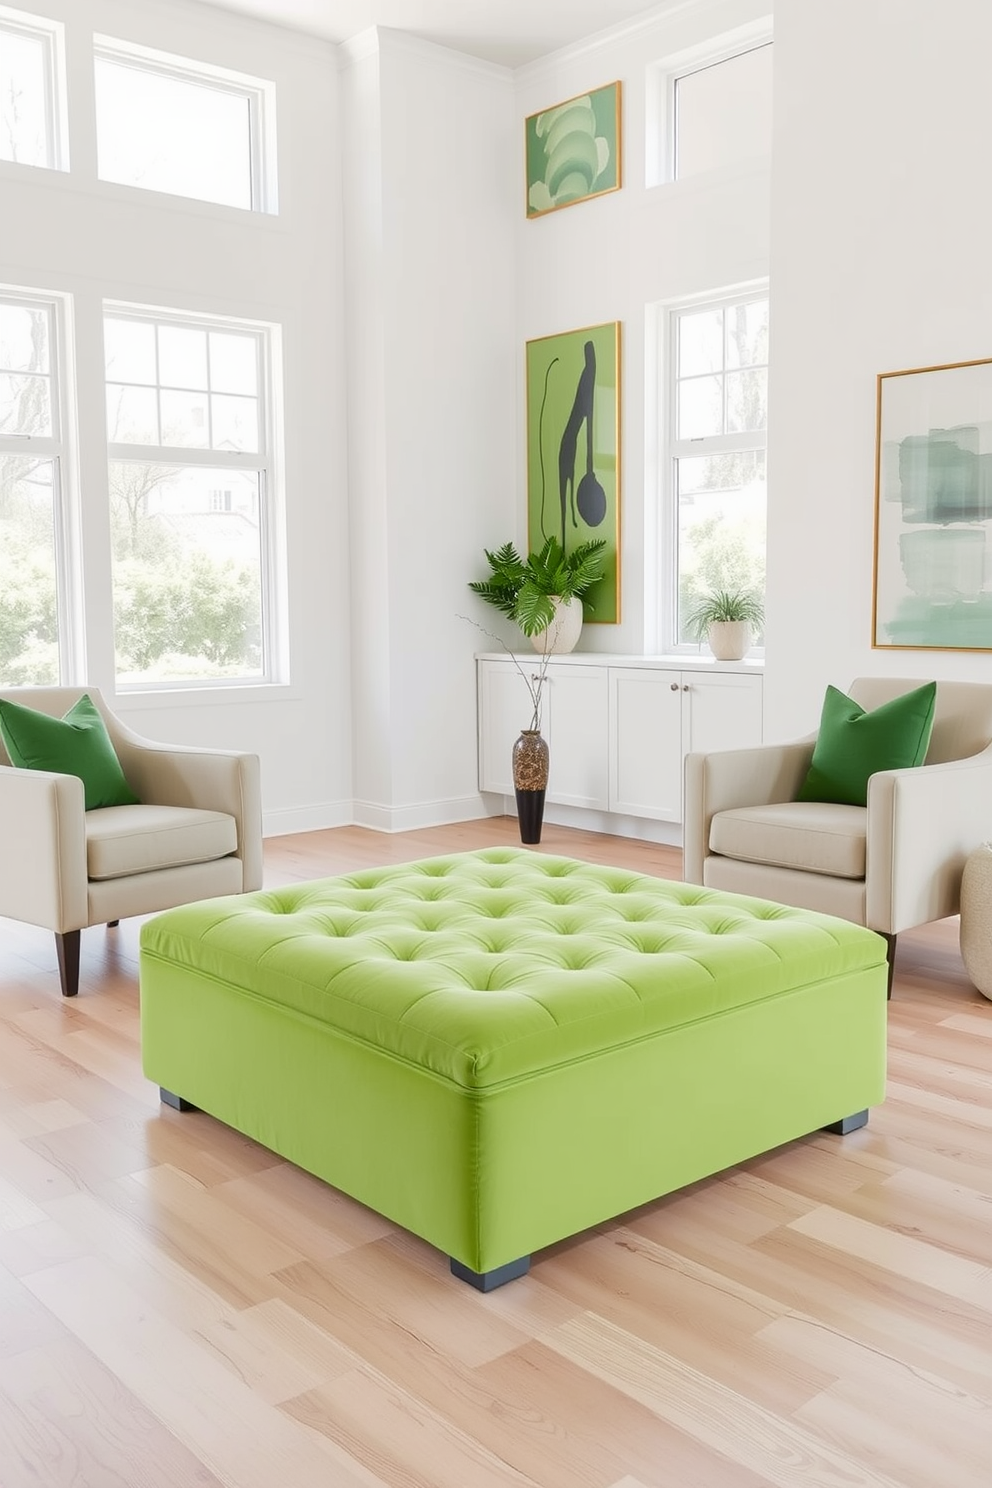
178,1307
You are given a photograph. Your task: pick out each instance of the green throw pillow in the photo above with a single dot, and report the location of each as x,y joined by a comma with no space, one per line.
77,744
853,744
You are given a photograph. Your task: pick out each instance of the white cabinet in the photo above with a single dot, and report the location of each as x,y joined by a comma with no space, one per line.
618,729
578,702
646,739
504,709
658,717
574,720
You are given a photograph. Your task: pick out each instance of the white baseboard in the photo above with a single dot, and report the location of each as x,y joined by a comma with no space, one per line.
668,834
422,814
462,808
307,818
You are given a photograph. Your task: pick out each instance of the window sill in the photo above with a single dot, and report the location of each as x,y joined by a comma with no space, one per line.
161,699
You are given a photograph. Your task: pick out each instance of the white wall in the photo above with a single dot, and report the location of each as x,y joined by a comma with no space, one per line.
95,240
880,261
619,256
429,187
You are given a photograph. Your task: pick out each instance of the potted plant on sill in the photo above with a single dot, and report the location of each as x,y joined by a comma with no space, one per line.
543,592
727,618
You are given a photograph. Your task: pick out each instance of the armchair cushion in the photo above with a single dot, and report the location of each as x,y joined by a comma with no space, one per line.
77,744
853,744
121,840
813,836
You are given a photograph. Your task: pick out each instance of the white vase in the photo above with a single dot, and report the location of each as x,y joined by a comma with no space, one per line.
563,633
729,639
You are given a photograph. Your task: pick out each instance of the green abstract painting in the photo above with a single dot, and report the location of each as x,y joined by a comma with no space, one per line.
573,150
573,450
933,508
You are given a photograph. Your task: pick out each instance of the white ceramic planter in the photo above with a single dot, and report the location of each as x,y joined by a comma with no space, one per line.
563,633
729,640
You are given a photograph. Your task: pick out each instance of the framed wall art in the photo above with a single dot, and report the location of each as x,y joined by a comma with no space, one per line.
573,450
573,150
933,508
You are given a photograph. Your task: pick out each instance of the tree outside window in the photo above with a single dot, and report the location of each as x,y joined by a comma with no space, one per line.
718,425
187,483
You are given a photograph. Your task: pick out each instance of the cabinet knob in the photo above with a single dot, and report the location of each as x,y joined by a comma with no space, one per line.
675,687
685,687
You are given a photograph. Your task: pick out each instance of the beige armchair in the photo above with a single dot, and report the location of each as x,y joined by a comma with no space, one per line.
890,865
196,834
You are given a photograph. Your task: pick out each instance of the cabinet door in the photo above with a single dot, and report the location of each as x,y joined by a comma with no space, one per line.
646,743
722,710
579,744
504,709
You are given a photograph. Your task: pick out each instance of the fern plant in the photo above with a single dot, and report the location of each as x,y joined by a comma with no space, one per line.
523,588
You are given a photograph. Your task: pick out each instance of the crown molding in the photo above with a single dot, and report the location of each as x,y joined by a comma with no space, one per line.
377,40
632,30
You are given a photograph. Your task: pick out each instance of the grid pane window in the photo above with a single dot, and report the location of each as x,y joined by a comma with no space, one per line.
721,502
187,572
30,494
189,403
168,124
188,511
28,83
717,441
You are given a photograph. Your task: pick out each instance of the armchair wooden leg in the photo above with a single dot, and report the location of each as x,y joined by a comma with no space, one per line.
67,947
112,924
890,941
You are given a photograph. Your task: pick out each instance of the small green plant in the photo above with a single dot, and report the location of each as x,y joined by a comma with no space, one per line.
523,588
722,605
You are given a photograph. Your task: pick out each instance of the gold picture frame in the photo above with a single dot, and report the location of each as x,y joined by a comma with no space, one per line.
572,150
932,574
573,450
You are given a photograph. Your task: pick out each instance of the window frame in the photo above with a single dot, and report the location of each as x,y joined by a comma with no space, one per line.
673,449
59,448
715,59
661,80
52,35
264,461
259,93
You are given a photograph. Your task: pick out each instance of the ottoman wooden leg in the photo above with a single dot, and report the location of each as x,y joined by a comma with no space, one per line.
175,1101
848,1124
487,1281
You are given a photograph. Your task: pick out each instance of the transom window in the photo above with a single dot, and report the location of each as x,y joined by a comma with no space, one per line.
166,123
190,475
722,112
717,427
31,93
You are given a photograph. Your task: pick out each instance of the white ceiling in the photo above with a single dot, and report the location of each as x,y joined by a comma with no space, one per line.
508,31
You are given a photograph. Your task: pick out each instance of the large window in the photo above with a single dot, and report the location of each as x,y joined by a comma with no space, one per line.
31,95
717,435
33,583
169,124
188,426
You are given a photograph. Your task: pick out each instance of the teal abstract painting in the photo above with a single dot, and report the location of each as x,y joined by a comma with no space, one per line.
933,508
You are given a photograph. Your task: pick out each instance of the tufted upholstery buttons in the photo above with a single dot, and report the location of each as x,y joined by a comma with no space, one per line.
486,966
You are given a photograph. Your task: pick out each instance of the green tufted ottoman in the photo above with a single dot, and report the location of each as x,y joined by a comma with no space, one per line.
498,1049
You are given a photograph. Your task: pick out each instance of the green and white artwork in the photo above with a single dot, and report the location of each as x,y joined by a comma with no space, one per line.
933,508
573,450
573,150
